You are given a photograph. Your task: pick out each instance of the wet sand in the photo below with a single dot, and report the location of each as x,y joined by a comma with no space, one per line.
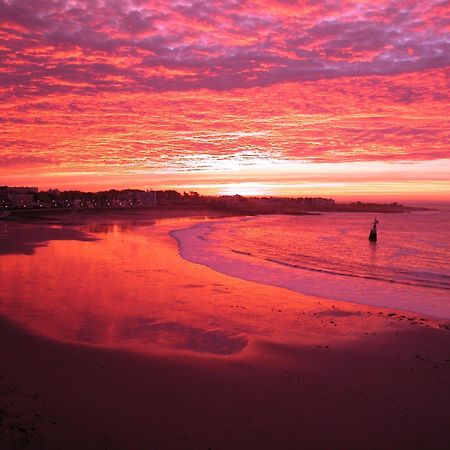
218,363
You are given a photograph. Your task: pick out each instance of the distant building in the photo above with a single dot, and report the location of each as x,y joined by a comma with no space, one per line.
145,198
18,197
22,200
5,202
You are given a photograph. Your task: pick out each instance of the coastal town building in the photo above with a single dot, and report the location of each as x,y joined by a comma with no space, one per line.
17,197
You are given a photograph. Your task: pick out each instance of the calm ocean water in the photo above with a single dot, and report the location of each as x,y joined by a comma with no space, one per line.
329,255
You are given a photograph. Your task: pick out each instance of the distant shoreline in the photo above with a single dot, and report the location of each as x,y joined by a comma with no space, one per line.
36,213
20,200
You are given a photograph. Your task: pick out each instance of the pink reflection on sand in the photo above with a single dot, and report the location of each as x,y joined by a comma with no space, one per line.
129,288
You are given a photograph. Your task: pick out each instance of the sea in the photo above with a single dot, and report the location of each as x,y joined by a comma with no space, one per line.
329,255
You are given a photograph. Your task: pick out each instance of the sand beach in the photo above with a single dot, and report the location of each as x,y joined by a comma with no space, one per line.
145,350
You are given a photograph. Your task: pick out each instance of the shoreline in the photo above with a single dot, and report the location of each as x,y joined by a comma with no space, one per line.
295,362
365,208
194,247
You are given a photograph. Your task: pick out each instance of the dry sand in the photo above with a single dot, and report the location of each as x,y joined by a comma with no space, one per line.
296,373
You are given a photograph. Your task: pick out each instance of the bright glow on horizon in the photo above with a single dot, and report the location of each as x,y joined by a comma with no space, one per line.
246,189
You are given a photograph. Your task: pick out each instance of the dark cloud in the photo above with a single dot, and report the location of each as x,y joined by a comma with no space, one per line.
214,44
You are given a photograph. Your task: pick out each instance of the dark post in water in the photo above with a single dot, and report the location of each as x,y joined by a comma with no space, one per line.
373,232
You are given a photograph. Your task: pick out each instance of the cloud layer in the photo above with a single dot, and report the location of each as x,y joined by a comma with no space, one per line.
121,86
82,45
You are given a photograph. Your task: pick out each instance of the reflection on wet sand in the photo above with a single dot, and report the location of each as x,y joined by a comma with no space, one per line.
121,291
170,335
177,335
123,284
111,227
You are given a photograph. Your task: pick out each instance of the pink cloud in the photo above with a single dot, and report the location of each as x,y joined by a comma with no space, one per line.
214,44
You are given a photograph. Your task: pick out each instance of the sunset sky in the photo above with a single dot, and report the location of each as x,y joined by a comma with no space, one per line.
282,97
